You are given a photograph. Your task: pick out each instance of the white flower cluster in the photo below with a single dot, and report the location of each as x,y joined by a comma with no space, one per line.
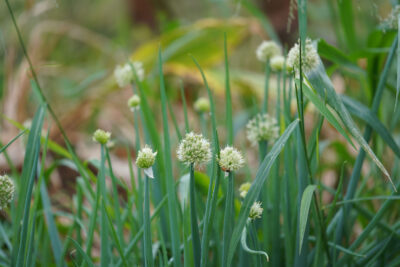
124,74
262,128
309,59
267,50
146,158
134,102
101,136
194,149
7,189
230,159
255,211
243,189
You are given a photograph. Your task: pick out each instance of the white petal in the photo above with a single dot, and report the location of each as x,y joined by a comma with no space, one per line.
149,172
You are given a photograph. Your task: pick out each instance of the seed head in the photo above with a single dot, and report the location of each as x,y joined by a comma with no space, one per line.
309,59
255,211
243,189
146,158
202,105
262,128
230,159
134,102
194,149
7,189
101,136
124,74
277,63
267,50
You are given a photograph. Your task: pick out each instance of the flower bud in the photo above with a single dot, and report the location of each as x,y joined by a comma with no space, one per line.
202,105
101,136
243,189
255,210
145,160
134,102
230,159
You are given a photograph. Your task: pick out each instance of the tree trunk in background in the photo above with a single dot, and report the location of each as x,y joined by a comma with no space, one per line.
278,13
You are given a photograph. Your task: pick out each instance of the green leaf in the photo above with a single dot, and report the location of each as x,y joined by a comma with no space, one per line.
172,205
347,22
320,82
12,141
52,227
228,104
254,191
26,186
364,113
304,210
322,108
333,54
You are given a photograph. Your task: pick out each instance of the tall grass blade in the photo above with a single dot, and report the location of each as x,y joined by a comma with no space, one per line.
254,191
215,172
347,22
228,98
351,188
54,236
26,186
82,253
171,191
12,140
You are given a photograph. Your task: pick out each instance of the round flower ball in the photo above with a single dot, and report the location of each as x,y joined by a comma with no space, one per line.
194,149
309,59
146,158
202,105
230,159
7,189
255,211
243,189
101,136
277,63
267,50
124,74
134,102
262,128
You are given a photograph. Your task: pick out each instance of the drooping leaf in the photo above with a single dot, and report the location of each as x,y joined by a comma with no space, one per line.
321,83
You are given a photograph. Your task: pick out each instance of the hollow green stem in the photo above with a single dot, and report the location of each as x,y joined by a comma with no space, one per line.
228,219
193,216
147,226
105,252
266,87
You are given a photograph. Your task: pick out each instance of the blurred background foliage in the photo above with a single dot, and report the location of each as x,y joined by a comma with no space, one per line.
75,46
